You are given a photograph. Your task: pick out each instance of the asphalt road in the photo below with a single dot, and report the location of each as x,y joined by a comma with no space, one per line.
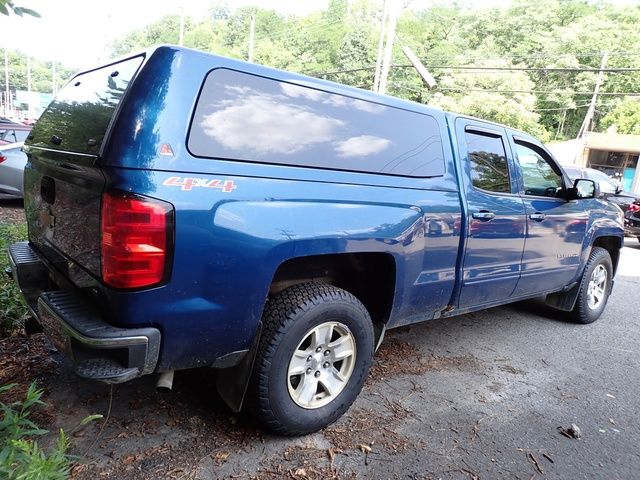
478,396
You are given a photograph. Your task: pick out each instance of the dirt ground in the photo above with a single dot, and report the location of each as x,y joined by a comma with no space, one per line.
11,210
481,396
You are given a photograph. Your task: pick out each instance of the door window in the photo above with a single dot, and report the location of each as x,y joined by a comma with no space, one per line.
538,174
488,162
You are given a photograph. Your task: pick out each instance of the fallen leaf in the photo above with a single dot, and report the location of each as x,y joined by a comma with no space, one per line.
572,432
365,448
300,472
331,455
221,456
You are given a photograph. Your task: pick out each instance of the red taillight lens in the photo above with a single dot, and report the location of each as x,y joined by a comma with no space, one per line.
137,239
2,158
634,207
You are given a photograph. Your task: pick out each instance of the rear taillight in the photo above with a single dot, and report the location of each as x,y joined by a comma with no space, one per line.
2,158
634,207
137,240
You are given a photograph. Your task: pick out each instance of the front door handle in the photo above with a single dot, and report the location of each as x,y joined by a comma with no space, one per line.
483,215
537,217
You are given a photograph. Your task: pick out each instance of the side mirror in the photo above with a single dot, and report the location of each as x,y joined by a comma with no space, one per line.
584,188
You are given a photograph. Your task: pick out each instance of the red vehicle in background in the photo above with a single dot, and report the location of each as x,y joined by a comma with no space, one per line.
632,220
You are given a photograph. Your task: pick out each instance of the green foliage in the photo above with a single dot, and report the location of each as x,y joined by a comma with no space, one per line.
12,311
625,117
7,6
41,74
20,456
532,35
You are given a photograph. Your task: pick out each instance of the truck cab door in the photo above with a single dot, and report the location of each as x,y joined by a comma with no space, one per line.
556,228
495,228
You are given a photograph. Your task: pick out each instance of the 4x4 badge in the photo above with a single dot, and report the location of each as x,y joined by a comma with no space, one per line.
188,183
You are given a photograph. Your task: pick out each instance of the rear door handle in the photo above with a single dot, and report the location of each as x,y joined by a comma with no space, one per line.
537,217
483,215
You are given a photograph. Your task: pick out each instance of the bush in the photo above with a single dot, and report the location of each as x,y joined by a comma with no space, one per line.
21,458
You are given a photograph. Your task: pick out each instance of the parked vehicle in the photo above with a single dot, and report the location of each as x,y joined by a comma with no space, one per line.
13,133
632,220
187,210
609,188
12,162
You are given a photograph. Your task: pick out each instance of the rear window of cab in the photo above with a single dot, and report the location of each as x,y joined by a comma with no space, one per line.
78,118
241,116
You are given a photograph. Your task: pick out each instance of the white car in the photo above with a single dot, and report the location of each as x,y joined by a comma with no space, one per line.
12,162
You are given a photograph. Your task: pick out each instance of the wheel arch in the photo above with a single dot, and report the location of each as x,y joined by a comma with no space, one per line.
611,244
369,276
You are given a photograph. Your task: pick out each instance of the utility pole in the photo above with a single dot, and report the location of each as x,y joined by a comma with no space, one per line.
252,34
28,73
388,48
54,83
181,37
420,68
383,21
588,119
7,97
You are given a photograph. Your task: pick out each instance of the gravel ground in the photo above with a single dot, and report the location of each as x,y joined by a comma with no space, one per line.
483,395
11,210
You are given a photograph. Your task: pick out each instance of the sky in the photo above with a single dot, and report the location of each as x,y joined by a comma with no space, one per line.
77,33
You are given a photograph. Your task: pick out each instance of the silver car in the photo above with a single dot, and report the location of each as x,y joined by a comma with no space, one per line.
12,162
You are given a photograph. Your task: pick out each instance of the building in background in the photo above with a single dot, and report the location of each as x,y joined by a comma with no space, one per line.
31,104
612,153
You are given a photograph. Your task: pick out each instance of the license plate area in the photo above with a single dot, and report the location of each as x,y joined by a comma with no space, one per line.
54,329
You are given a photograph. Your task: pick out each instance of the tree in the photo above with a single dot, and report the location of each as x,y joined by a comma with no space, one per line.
549,49
41,73
7,6
625,117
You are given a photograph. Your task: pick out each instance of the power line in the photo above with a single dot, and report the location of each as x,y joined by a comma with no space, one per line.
537,92
559,109
481,68
542,92
307,29
530,69
546,56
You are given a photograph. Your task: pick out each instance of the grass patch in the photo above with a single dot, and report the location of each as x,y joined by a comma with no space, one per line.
13,312
20,455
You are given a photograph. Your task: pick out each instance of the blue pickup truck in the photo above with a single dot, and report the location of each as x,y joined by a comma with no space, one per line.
187,210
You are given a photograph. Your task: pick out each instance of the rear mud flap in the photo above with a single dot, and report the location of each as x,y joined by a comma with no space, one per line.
232,383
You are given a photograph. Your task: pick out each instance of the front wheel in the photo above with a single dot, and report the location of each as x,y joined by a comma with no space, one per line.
595,287
315,352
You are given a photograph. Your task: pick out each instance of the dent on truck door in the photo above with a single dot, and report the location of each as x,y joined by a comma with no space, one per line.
496,223
555,227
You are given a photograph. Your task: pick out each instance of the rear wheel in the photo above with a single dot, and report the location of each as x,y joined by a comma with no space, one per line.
314,355
594,287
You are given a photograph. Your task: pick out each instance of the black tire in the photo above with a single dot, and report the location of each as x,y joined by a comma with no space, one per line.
582,312
287,320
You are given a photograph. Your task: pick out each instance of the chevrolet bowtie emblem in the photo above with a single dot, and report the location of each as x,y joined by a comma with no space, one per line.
47,219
